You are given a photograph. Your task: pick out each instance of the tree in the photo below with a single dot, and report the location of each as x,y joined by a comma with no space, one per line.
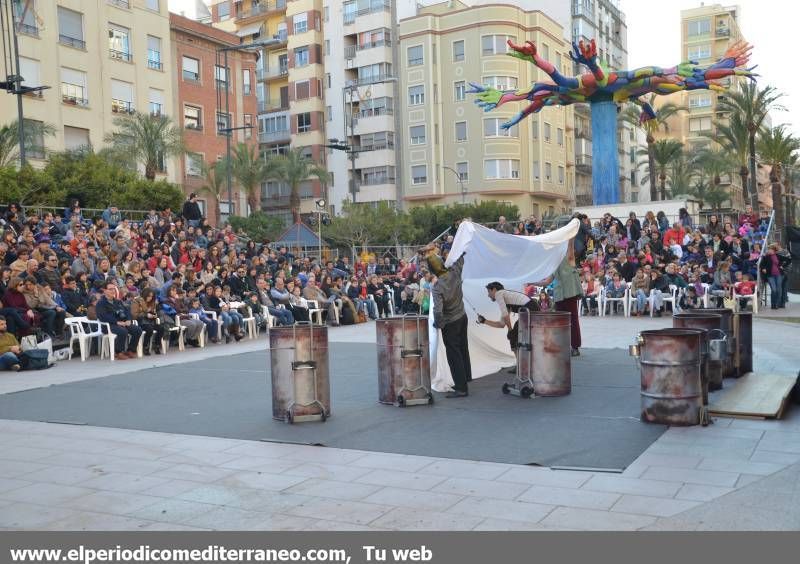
734,138
791,179
632,114
680,173
778,149
664,152
714,164
149,140
356,226
214,184
250,170
34,131
294,168
258,226
752,105
705,193
29,186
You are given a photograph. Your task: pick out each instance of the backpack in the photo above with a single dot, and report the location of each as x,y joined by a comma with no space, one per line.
34,359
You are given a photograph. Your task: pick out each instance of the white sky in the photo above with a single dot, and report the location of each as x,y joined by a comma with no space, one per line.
654,38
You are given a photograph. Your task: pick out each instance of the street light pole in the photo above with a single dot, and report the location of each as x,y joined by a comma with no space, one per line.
320,207
460,182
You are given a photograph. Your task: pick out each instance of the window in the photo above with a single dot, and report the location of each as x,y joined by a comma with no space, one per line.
496,169
26,23
458,50
70,28
500,82
700,101
545,51
558,62
547,132
154,52
460,88
462,169
495,44
419,174
247,122
224,10
329,113
192,117
327,46
536,170
73,87
76,138
302,90
461,131
374,73
194,164
698,27
416,95
326,11
303,122
632,156
548,171
492,128
633,178
191,69
417,134
700,124
34,146
301,23
699,52
560,137
376,107
223,123
561,175
377,175
373,38
119,43
122,97
155,99
247,87
377,141
415,56
535,128
301,57
221,77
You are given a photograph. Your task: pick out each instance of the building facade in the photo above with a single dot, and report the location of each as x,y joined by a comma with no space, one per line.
451,150
100,59
211,97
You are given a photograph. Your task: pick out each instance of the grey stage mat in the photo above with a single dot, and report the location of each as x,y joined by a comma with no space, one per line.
596,426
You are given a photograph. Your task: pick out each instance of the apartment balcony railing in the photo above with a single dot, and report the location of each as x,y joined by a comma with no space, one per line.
723,32
578,9
351,50
377,180
275,201
583,161
156,109
193,76
274,136
74,101
272,73
362,81
269,107
375,147
262,8
374,112
72,41
155,65
350,17
120,3
120,55
28,29
122,107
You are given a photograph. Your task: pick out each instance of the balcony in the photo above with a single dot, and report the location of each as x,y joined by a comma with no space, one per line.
376,146
583,131
191,76
125,4
274,136
374,79
723,32
28,29
377,180
272,74
578,9
269,107
120,55
72,42
156,109
350,16
261,9
155,65
583,163
275,201
122,106
74,101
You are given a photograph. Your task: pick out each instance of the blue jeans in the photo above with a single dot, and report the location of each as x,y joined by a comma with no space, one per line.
641,300
7,360
372,309
284,316
775,290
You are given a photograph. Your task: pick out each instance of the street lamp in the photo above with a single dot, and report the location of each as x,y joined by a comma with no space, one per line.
461,183
352,151
229,130
320,210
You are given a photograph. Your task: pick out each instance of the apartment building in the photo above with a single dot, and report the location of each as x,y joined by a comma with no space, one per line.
452,151
100,59
211,97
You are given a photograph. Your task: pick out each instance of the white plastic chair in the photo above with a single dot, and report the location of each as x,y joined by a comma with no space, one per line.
672,298
605,301
752,297
78,333
177,328
201,339
107,340
314,312
250,323
213,315
706,297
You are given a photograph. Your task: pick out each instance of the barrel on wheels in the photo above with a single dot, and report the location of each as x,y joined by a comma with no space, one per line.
743,331
300,374
670,373
404,367
711,370
728,364
549,359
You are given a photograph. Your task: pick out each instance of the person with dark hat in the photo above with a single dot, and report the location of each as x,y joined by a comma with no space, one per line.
450,317
191,211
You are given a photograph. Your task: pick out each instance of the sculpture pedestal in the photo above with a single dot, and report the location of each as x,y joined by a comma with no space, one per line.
605,159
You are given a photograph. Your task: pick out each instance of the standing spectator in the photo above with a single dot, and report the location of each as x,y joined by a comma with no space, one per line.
112,216
662,221
191,211
114,312
685,219
503,226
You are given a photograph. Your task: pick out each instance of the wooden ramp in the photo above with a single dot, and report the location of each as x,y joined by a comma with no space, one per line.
755,395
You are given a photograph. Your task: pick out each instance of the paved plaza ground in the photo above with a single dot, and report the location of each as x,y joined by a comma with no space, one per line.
736,474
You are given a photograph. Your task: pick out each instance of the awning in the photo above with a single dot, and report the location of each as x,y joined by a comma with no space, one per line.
249,29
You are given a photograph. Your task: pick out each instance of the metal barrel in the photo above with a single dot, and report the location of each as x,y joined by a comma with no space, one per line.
711,368
300,372
743,329
728,365
670,372
704,358
404,367
547,345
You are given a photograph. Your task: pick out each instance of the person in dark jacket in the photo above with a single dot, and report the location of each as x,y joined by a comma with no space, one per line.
77,302
114,312
191,211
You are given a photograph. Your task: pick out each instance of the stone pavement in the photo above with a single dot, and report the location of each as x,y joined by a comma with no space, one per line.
736,474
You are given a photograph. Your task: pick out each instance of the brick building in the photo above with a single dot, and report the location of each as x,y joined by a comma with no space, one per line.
200,89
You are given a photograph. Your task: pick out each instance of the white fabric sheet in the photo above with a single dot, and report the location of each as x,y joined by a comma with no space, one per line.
509,259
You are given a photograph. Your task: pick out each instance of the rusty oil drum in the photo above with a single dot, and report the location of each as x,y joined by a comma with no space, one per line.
300,373
743,329
670,371
404,367
728,365
545,351
711,369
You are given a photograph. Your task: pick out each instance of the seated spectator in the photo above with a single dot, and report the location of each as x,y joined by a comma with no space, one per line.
722,285
744,286
41,301
377,290
358,293
640,289
212,326
111,310
591,292
10,350
689,299
144,310
616,289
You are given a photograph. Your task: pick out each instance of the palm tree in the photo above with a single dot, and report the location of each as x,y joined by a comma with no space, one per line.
680,172
778,149
734,138
9,139
149,140
705,193
214,177
791,179
664,152
296,168
752,105
250,170
714,164
631,114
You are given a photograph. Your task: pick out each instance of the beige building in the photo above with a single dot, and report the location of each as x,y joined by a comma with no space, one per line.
100,59
454,152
